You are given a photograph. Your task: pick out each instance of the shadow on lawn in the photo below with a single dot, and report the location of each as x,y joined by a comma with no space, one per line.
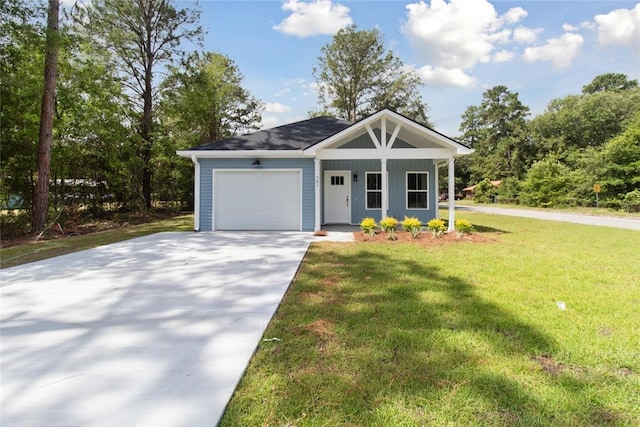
411,346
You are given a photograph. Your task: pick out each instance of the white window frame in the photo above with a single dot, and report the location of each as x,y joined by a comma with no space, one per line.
407,190
366,199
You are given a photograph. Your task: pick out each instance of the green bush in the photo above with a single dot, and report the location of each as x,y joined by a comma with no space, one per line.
463,226
547,184
14,224
368,225
509,190
631,201
412,225
389,225
436,226
485,192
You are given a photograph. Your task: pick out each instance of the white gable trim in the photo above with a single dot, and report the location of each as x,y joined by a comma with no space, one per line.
453,148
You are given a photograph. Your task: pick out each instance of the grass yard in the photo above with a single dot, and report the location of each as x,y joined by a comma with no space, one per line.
394,334
43,249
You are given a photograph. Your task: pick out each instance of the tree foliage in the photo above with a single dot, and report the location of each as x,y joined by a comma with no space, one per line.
609,82
621,174
21,70
144,36
204,100
497,130
356,77
556,158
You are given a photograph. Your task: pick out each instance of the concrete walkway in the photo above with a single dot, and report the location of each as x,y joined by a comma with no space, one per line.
154,331
604,221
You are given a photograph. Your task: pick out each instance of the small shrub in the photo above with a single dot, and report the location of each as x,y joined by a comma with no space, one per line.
14,224
412,225
368,226
485,192
436,226
463,226
389,224
631,201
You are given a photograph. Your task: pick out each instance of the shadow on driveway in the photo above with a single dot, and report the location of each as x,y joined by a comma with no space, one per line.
153,331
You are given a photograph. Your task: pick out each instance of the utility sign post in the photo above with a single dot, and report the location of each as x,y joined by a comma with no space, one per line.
596,189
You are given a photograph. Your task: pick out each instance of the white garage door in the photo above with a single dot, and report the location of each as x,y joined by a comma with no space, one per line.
257,200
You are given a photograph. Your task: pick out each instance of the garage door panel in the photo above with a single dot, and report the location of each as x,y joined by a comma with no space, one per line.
257,200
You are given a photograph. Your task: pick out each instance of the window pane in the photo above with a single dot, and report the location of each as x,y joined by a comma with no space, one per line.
422,181
417,181
417,200
374,181
411,181
374,200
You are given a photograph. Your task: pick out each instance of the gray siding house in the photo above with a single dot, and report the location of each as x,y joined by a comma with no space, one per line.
320,171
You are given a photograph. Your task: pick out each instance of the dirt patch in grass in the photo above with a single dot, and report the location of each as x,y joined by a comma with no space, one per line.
424,239
322,328
549,365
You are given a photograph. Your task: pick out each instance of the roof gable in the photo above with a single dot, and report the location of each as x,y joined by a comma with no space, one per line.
404,129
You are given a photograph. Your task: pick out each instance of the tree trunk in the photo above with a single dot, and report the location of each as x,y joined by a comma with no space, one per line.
147,137
45,138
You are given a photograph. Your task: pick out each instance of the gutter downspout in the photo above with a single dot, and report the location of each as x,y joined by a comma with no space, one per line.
196,194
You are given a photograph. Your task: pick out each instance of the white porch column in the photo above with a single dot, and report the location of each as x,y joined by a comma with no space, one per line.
452,196
316,166
196,194
385,188
437,176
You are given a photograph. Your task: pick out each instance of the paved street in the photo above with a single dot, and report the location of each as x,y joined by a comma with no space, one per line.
603,221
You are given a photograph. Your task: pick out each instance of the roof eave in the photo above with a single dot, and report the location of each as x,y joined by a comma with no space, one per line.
226,154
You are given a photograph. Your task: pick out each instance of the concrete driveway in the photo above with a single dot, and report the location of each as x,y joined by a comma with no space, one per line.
154,331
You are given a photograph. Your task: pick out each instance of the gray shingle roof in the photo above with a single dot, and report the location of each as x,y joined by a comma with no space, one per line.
293,136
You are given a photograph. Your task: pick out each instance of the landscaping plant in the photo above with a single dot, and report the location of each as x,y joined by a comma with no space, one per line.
437,227
368,225
463,226
412,225
389,225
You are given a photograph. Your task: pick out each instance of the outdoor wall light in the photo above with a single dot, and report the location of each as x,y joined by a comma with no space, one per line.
256,162
355,177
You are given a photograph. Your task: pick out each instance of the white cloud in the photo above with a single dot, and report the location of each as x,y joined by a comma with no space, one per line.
502,56
620,26
526,35
454,36
560,52
315,17
274,121
276,107
445,76
515,14
283,92
269,122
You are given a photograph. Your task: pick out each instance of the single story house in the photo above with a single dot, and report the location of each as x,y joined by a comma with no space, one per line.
319,171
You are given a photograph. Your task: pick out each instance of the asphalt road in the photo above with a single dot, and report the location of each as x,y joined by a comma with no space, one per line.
599,220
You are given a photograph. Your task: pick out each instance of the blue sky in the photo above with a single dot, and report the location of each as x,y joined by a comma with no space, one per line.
540,49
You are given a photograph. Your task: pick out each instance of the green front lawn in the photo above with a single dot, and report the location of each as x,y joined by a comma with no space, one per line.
394,334
35,251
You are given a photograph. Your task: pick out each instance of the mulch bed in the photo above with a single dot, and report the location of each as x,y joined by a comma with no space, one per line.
424,239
